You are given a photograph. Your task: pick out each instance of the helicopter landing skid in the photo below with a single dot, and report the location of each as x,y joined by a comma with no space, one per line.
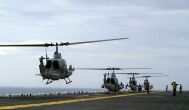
67,82
49,81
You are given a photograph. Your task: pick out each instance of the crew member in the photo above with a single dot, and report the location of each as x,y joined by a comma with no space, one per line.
180,88
166,88
174,85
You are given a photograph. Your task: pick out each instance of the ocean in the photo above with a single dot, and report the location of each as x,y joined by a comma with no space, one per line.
24,90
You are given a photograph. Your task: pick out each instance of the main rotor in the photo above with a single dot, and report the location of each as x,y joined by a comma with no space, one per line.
112,69
59,44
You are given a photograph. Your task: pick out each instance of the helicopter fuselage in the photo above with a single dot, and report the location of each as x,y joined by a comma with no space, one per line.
55,69
132,84
112,84
147,85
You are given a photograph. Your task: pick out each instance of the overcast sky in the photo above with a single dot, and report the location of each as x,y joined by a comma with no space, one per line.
158,32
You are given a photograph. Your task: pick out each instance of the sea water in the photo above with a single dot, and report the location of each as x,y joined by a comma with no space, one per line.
25,90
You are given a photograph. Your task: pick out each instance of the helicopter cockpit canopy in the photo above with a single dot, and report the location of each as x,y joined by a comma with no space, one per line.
111,80
55,64
146,83
134,82
48,64
52,64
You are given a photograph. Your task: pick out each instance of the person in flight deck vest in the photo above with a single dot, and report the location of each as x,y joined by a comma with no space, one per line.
174,85
180,87
166,88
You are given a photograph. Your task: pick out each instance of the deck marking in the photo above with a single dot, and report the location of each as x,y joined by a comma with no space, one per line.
65,102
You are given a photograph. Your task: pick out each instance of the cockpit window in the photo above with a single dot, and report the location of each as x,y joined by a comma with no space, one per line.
55,65
108,80
48,65
134,82
112,81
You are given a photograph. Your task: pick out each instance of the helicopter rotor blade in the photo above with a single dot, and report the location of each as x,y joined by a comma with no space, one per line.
134,68
136,73
153,76
94,41
111,68
148,76
92,68
56,44
28,45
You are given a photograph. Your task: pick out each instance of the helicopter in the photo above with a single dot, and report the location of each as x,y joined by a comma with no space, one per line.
110,81
56,67
146,84
132,81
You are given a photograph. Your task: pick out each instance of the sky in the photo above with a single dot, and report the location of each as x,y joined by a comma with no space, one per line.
158,32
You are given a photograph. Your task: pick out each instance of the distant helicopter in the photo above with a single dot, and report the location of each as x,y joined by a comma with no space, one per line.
132,80
146,84
110,80
56,67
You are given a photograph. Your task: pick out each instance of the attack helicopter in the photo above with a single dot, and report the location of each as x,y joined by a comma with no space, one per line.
56,67
146,84
132,80
110,81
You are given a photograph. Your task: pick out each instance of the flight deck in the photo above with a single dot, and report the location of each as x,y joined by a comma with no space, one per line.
99,101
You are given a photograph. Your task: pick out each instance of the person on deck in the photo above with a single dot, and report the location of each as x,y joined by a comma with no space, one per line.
174,85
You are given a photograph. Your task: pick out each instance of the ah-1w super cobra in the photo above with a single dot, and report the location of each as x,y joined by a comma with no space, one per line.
56,67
